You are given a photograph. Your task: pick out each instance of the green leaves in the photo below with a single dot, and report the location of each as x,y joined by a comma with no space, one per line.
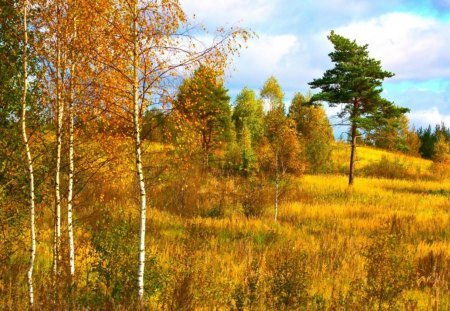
356,82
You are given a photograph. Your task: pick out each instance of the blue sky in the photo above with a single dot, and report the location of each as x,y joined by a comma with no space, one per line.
410,38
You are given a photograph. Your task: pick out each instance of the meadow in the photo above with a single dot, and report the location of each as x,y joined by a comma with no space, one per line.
383,244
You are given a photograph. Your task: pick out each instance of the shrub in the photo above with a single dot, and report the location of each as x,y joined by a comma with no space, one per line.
248,294
287,280
387,168
389,271
440,170
254,197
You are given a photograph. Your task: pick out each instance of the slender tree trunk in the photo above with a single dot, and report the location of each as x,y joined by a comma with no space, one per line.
71,162
139,171
71,172
205,158
352,155
353,144
29,159
59,123
277,181
205,147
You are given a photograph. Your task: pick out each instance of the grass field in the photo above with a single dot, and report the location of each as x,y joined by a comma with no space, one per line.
382,244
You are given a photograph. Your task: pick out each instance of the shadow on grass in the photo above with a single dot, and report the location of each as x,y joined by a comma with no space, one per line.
437,192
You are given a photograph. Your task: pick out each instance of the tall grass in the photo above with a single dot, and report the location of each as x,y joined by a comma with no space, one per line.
383,244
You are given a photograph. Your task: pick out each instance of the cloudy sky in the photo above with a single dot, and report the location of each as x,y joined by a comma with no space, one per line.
410,37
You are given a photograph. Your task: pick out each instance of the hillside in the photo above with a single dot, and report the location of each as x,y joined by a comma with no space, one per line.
376,162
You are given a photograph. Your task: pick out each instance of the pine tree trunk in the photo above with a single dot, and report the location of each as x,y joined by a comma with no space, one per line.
29,160
139,171
352,154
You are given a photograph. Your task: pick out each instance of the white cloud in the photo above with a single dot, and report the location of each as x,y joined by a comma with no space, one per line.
220,13
430,116
292,45
412,46
265,56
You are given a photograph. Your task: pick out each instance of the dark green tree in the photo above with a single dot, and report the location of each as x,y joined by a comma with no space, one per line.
355,83
204,101
12,157
10,93
427,140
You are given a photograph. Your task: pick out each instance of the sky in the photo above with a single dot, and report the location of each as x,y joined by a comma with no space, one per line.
410,37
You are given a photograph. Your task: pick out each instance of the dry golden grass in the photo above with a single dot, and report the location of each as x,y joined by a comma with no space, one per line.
318,256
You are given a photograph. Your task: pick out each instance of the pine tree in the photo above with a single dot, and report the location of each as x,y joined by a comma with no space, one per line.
427,141
355,83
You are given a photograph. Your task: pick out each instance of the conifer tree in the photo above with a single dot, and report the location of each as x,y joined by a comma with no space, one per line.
355,82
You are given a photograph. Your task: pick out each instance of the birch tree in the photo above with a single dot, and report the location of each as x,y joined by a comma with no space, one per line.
148,46
56,25
29,157
60,67
281,134
72,95
204,101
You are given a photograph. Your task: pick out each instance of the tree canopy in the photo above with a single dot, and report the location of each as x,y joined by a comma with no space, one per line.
203,99
355,82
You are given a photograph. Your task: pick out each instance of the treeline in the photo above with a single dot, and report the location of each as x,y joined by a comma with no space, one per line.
434,143
248,137
397,135
248,125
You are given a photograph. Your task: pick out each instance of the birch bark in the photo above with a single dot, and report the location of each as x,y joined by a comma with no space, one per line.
59,132
71,165
139,171
29,158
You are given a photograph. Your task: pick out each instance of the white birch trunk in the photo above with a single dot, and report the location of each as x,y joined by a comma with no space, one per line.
59,123
29,160
71,168
139,171
70,187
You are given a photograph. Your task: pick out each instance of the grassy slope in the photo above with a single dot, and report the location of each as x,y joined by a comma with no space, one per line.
367,157
199,262
330,223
